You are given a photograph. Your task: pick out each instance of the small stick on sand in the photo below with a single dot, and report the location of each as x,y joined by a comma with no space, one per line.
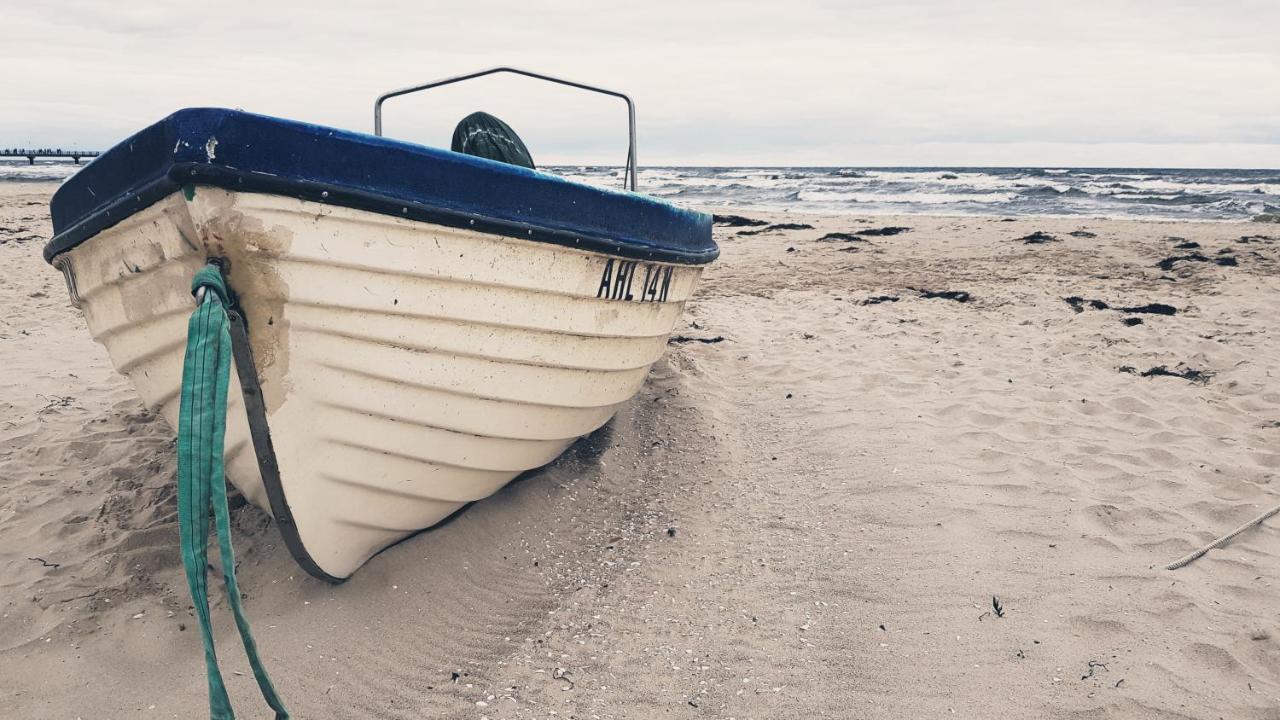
1223,540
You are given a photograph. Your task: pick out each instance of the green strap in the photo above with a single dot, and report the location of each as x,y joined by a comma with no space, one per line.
202,426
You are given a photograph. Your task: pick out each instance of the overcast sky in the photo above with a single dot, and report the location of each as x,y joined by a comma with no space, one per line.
1173,83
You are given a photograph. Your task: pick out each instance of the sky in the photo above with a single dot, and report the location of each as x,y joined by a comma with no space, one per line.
1132,83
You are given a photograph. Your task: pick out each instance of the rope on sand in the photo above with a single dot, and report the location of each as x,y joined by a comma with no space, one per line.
1224,539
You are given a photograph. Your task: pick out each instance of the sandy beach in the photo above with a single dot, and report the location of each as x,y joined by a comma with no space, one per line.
853,444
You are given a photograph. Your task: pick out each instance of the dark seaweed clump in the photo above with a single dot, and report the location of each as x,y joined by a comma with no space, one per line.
846,237
1082,234
1151,309
1182,371
1078,304
1168,263
880,299
960,296
882,232
1038,238
779,226
862,235
680,339
737,221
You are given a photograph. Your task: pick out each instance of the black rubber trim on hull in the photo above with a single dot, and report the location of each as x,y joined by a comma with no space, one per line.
256,410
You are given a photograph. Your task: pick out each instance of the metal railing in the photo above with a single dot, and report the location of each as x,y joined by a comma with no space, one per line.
629,176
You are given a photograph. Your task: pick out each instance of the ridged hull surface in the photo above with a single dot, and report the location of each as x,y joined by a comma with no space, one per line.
407,368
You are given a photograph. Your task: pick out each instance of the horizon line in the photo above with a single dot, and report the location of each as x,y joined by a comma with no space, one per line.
831,167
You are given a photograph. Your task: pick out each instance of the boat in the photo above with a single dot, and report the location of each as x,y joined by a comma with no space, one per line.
422,326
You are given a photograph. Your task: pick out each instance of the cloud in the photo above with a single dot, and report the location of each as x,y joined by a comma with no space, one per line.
1172,83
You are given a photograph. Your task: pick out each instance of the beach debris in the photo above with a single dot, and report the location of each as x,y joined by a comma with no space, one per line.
737,221
562,674
1168,263
45,563
1132,321
776,227
671,532
882,232
679,339
1150,309
1187,245
1187,560
18,238
1182,371
1260,634
1038,238
54,402
879,299
997,609
1093,668
1256,238
846,237
1082,234
1078,304
960,296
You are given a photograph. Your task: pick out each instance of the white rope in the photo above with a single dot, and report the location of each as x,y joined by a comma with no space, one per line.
1224,539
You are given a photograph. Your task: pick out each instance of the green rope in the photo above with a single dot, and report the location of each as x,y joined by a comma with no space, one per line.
202,426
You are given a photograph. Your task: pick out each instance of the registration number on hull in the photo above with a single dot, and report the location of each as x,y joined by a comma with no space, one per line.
629,280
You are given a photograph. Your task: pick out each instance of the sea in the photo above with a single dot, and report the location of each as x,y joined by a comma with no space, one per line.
1007,192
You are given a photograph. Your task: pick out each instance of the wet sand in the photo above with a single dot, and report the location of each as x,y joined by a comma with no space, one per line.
852,445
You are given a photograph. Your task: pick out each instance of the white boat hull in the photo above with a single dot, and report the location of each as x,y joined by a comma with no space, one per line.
407,368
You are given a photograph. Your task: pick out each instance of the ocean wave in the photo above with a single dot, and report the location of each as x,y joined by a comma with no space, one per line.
18,170
905,198
1112,192
1052,191
1210,194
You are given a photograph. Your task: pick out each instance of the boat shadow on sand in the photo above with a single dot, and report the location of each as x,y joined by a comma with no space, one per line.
584,454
